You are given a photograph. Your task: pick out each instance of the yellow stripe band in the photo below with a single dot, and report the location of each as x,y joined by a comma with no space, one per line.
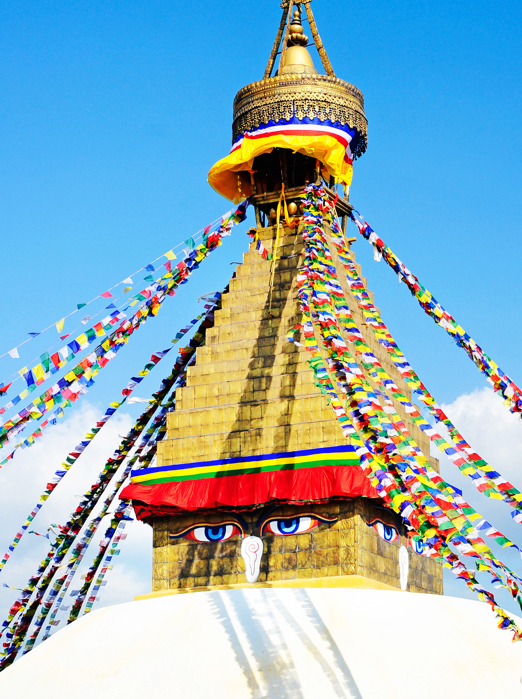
284,461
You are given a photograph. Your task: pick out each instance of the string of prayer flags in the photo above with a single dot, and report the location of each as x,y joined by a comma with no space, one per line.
253,233
54,597
502,383
105,567
38,582
72,567
485,478
67,353
74,455
389,456
84,542
170,255
24,608
154,434
77,381
30,440
105,546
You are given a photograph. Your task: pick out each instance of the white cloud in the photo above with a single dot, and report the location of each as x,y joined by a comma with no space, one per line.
489,427
496,434
24,478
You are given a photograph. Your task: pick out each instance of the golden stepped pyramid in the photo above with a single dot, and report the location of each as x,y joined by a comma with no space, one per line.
252,392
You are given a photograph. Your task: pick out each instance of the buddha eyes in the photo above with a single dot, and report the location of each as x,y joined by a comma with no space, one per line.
385,531
207,532
210,532
418,546
285,527
221,532
292,525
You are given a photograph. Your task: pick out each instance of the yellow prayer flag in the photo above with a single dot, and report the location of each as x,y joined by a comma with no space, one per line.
23,371
127,289
59,325
82,339
170,255
24,394
39,372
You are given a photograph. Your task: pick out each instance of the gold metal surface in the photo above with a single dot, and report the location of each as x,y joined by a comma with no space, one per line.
301,95
356,582
297,60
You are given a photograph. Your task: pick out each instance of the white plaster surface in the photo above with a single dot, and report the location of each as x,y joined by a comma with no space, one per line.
276,643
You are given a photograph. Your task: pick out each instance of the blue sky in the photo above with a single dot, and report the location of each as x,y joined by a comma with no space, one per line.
112,114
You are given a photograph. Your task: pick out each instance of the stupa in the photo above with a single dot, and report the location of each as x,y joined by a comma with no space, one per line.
257,500
255,482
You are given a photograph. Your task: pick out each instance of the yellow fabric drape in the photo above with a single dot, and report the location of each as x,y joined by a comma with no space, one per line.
325,148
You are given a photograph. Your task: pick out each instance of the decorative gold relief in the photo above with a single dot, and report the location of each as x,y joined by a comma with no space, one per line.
314,96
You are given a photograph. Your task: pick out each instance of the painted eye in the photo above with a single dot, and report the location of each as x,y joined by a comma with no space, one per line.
220,532
418,546
210,532
296,525
385,531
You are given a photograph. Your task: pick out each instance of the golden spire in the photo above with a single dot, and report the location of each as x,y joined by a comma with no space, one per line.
296,58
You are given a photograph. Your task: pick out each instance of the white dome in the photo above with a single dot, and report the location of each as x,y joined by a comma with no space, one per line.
276,643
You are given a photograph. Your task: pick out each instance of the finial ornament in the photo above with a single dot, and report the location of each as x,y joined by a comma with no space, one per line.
296,36
285,35
275,117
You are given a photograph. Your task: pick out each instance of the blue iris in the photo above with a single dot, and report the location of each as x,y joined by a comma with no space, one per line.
215,533
388,532
288,526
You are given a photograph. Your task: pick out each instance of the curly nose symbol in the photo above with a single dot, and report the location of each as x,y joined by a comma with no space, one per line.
251,551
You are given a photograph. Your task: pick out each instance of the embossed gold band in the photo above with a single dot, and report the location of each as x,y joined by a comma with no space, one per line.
303,96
